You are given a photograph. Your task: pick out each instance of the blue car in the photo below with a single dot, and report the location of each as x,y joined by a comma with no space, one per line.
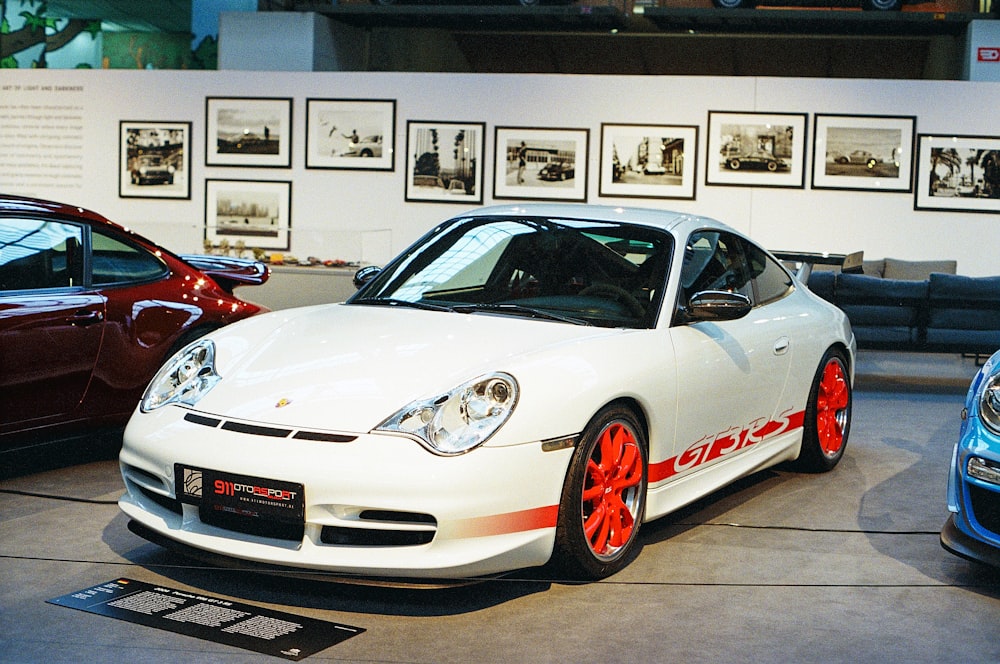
973,529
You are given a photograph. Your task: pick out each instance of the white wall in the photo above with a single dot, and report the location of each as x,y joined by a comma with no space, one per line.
362,214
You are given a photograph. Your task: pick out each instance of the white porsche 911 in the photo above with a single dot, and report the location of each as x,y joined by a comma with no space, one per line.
524,384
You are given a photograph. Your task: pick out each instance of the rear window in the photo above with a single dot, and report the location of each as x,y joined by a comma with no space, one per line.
116,262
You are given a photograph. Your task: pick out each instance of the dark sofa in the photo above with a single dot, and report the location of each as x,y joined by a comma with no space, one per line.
932,312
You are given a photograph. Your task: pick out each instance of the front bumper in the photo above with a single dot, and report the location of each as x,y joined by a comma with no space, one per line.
955,541
377,506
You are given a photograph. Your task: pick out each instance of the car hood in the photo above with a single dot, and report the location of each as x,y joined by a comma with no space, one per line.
348,368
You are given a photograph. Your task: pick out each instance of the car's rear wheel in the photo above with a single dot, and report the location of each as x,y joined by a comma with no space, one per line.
734,164
828,415
603,497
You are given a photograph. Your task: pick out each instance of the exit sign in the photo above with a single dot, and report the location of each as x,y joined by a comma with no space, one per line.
988,54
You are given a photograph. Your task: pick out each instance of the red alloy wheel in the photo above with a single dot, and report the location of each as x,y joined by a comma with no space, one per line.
612,490
832,402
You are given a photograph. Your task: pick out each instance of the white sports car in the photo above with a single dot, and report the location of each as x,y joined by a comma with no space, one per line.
524,384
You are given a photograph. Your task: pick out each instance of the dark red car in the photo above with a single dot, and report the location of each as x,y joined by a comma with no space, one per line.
89,310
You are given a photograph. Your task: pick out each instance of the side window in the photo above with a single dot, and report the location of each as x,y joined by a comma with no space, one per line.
39,254
772,281
714,261
115,262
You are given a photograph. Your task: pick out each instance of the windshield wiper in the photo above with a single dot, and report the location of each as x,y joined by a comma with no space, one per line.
517,310
392,302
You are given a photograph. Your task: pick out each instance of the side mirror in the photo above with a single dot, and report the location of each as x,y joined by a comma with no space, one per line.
365,274
712,305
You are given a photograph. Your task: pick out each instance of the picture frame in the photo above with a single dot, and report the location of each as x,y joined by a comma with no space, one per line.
863,152
248,131
154,159
444,161
351,134
648,161
545,164
255,212
756,149
957,173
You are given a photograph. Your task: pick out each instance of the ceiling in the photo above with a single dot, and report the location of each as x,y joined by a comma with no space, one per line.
138,15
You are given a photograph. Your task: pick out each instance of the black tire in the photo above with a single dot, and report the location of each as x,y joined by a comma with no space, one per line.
882,5
735,4
827,417
734,164
590,546
772,166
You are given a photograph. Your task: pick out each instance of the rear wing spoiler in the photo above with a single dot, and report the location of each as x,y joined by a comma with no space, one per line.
229,272
804,261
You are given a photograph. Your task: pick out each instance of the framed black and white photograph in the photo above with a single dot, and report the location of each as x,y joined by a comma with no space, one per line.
154,160
863,152
256,213
541,164
351,134
756,149
958,173
248,131
648,161
444,161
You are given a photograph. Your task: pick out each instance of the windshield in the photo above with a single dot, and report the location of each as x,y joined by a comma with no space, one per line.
584,272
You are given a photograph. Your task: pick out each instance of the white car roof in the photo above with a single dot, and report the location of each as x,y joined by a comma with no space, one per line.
663,219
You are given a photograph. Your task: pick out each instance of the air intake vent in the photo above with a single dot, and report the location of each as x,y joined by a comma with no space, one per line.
271,432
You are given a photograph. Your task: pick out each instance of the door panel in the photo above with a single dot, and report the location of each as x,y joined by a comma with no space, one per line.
48,352
731,374
51,328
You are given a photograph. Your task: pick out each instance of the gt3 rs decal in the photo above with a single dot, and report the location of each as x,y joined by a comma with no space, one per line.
711,447
504,524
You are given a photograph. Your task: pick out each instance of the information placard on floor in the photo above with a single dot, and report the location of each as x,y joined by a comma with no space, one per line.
244,626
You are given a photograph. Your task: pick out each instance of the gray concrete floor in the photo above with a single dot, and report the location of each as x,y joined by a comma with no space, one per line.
841,567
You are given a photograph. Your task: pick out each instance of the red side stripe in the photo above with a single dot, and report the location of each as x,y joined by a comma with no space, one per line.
511,522
708,449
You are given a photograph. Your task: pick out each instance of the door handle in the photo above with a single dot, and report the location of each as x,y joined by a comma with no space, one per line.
781,346
85,317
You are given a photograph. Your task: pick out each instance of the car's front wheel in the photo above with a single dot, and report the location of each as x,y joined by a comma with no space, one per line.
734,164
828,415
603,497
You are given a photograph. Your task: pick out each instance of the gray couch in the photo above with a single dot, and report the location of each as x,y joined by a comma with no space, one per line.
916,306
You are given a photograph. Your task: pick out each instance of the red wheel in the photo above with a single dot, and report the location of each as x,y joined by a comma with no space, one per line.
603,497
828,415
832,404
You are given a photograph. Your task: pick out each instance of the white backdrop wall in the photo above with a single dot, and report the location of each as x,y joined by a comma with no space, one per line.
362,215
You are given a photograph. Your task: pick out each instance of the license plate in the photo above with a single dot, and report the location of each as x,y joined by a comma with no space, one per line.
240,495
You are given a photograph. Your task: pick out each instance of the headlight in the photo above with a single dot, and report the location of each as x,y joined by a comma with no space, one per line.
461,419
984,470
185,378
989,402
